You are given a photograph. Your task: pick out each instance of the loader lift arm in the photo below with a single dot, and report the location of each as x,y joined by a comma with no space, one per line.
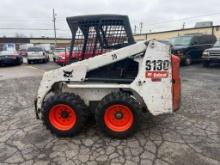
81,68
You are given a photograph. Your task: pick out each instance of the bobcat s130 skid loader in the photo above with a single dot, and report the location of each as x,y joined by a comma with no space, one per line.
110,77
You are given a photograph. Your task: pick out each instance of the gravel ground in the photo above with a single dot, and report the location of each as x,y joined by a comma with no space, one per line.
190,136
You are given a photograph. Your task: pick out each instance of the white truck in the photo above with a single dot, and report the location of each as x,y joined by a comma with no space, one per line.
25,46
37,54
47,47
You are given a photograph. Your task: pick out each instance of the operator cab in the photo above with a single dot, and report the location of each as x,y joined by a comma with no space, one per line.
98,34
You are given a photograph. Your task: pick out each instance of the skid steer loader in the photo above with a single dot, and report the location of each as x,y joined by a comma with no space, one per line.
119,79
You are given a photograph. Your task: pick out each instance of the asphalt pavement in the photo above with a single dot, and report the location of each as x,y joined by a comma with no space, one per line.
189,136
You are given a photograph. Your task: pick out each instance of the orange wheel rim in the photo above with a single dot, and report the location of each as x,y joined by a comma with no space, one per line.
118,118
62,117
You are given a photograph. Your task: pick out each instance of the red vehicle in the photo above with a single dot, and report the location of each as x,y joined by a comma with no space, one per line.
63,58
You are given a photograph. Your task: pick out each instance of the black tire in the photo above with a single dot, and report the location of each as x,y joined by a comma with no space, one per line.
77,105
20,61
188,60
17,62
29,61
61,64
123,99
206,64
47,60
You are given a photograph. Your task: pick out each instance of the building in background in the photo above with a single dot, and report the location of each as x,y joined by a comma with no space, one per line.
60,42
165,35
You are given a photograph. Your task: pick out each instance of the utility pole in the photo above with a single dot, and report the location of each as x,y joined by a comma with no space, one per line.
184,25
54,27
135,29
141,27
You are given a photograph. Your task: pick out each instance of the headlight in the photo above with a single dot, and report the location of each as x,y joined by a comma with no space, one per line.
206,53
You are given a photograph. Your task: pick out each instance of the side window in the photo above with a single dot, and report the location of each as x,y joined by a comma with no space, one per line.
195,40
202,40
207,39
212,39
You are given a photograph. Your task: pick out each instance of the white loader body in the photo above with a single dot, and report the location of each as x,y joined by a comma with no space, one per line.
152,86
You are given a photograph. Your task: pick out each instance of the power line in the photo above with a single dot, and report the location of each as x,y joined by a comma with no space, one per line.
31,20
57,19
176,20
43,17
43,29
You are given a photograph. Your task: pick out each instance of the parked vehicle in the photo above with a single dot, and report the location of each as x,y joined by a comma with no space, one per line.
23,49
23,52
165,42
211,55
46,47
37,54
63,57
190,47
56,53
10,57
25,46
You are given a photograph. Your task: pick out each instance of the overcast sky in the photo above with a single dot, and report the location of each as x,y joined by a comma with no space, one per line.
156,15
